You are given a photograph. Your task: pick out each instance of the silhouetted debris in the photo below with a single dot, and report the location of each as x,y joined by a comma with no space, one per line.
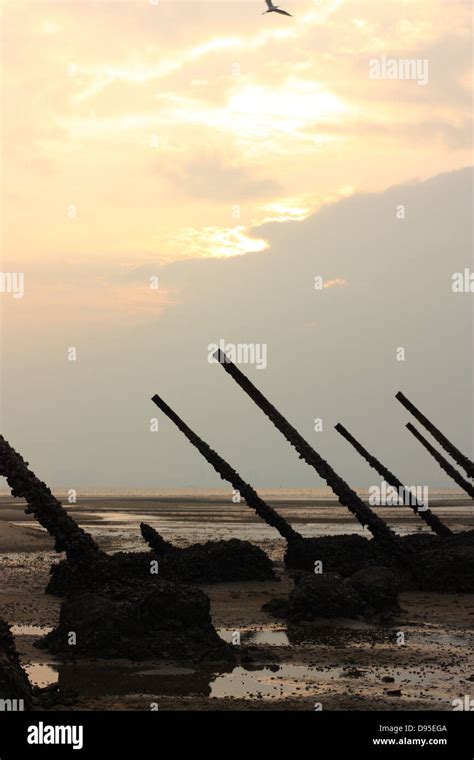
211,562
381,532
14,683
170,621
461,459
442,461
409,498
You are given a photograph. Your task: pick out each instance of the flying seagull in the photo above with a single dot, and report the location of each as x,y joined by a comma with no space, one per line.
274,9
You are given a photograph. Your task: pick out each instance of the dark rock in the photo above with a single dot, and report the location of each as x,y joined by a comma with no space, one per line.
328,595
445,564
278,607
325,595
344,554
378,587
448,563
14,683
211,562
124,570
167,621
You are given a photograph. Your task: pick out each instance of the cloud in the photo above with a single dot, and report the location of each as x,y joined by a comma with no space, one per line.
117,124
211,178
331,353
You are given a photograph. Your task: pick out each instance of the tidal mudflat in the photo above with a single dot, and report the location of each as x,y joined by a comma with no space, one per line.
331,665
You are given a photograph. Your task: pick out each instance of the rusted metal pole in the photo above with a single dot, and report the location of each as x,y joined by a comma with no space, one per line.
461,459
69,537
381,532
443,463
408,497
264,510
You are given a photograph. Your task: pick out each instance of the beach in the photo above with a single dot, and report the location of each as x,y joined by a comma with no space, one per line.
336,665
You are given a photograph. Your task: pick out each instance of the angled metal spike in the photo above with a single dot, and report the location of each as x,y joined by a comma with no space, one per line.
443,463
264,510
418,507
461,459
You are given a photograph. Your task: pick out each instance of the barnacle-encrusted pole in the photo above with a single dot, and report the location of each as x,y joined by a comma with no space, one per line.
461,459
226,472
69,537
381,532
155,541
443,463
408,497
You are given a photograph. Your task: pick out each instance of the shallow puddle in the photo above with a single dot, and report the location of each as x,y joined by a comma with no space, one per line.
276,637
42,674
270,682
30,630
99,678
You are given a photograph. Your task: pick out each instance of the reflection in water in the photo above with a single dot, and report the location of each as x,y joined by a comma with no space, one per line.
119,677
95,679
270,683
276,637
99,678
42,674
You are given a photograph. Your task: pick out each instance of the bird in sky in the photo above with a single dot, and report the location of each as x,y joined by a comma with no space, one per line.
274,9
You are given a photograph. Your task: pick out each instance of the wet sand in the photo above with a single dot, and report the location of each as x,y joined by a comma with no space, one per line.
350,665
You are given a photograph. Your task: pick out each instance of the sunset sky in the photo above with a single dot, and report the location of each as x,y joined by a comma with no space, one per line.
156,120
137,134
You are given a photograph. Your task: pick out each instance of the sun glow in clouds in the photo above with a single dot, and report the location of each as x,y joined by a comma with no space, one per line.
285,211
125,125
219,242
298,102
256,111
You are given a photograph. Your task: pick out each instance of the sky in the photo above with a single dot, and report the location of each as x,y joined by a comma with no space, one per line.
234,156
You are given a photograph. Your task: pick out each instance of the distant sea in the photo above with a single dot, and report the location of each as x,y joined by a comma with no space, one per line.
444,495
